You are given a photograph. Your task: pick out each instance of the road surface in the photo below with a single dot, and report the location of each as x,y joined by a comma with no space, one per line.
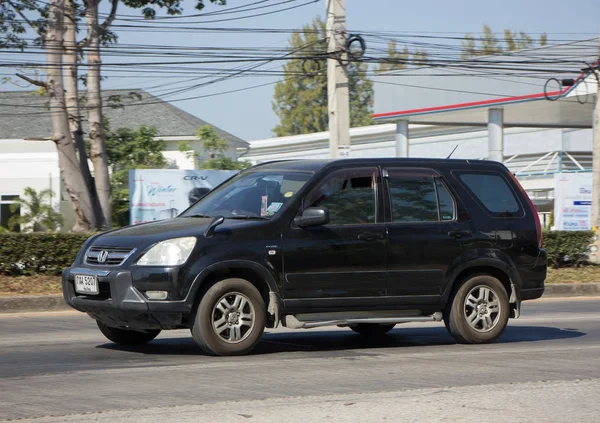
57,367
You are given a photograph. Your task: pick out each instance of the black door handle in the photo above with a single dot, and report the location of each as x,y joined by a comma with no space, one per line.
459,233
369,237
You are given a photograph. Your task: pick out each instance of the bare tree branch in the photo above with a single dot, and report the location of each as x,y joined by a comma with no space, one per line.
111,17
32,81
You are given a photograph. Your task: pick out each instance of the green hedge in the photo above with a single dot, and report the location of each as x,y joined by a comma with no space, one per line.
38,253
50,253
567,248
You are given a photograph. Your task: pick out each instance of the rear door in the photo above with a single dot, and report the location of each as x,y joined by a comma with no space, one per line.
426,228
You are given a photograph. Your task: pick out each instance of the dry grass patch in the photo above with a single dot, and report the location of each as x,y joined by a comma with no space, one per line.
30,285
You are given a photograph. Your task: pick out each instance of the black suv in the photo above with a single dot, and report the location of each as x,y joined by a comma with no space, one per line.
359,243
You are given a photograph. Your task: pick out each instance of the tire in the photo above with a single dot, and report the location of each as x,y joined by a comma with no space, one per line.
125,336
230,318
372,330
479,311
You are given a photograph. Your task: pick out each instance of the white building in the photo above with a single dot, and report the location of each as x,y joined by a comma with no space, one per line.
26,160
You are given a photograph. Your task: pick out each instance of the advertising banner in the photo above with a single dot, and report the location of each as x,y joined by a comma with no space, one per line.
165,193
573,201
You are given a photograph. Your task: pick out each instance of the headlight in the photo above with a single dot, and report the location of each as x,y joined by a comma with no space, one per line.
171,252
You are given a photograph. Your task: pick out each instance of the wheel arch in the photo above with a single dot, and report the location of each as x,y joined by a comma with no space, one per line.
250,271
504,272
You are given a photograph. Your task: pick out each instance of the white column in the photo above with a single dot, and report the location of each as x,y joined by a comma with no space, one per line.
402,138
496,135
338,105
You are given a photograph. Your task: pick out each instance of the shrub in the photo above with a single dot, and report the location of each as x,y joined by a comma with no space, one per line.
38,253
567,248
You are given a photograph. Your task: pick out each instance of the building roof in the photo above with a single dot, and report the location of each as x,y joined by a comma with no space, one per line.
521,82
24,114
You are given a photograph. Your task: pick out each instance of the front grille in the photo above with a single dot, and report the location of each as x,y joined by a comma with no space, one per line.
107,256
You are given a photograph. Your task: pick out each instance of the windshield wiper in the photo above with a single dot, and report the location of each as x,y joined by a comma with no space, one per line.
243,216
198,215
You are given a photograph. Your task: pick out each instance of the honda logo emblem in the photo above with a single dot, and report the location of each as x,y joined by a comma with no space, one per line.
102,256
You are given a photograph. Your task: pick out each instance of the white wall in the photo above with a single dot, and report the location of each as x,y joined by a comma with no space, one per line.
36,170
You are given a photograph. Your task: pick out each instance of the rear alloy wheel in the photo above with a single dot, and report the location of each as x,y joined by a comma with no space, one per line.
479,311
230,318
372,329
126,336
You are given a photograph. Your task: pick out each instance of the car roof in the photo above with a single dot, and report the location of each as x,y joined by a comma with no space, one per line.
309,165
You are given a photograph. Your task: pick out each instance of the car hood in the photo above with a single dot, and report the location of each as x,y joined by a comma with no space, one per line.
149,233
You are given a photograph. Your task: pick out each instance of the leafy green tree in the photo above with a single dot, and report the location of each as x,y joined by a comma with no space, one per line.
130,149
420,57
489,44
395,59
35,212
300,99
216,147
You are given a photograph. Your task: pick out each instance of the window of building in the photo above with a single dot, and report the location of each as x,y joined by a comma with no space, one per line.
6,211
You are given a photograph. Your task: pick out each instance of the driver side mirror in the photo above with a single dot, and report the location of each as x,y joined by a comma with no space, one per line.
313,216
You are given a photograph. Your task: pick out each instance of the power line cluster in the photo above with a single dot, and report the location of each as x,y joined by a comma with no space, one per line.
185,71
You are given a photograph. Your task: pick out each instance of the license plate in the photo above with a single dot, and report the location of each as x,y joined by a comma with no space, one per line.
85,284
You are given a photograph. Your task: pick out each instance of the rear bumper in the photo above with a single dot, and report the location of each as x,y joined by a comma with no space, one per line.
534,277
531,294
120,304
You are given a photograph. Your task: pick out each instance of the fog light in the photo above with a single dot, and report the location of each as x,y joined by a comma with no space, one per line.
156,295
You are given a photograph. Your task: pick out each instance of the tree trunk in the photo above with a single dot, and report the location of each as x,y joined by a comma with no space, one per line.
97,145
67,156
71,58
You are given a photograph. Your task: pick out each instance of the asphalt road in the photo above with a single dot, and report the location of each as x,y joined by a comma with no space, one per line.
546,367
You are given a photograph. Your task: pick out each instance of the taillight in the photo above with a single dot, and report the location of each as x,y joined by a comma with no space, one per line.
538,224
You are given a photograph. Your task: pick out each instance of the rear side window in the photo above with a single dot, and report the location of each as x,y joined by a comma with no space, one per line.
493,193
418,197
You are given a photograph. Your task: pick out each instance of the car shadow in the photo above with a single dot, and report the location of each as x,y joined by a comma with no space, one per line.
340,340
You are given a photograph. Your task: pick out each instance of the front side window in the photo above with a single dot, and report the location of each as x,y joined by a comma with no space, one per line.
251,195
350,197
417,196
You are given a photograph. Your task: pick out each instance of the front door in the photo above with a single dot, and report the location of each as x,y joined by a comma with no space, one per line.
343,263
425,234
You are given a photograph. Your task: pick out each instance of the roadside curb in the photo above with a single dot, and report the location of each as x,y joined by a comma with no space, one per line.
33,303
56,302
572,290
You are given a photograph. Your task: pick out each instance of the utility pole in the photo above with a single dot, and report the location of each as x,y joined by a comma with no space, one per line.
595,256
337,80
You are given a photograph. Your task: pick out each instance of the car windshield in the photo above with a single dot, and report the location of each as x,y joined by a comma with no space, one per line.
250,195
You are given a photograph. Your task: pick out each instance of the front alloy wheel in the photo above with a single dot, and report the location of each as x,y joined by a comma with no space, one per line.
233,317
230,318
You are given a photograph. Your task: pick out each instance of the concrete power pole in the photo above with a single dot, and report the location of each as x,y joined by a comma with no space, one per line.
337,80
595,256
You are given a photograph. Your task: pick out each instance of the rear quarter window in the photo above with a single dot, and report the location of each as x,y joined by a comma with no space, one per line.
493,192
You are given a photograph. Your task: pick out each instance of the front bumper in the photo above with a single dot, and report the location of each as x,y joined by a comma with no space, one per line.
120,304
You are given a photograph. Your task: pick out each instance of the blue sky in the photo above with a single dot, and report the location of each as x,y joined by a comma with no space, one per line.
248,114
